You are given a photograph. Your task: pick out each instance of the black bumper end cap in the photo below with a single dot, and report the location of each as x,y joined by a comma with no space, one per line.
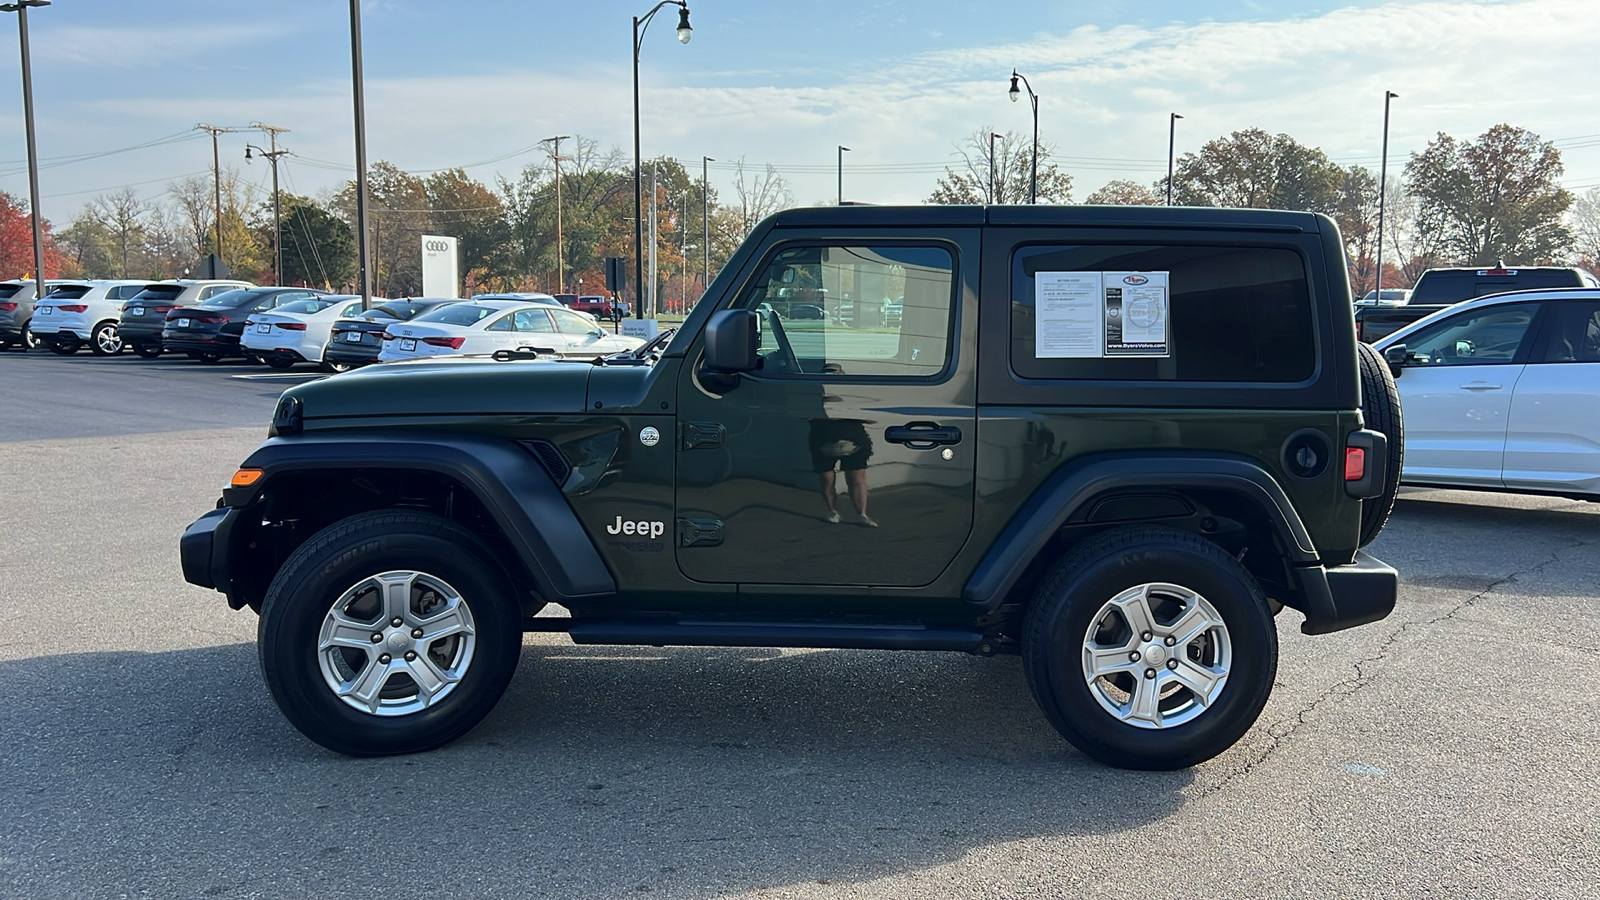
1346,596
199,546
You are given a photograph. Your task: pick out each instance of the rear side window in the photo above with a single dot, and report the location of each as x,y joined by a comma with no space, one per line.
70,291
1148,312
1450,287
7,291
1575,334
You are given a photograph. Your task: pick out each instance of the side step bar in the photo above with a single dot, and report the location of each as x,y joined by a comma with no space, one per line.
665,633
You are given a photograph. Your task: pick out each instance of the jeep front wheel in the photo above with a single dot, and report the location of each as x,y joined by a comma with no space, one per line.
388,632
1150,648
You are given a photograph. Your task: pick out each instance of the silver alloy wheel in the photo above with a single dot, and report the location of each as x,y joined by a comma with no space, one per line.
396,643
108,340
1156,655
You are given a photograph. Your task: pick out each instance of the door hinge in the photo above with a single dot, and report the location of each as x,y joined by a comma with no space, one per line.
702,435
699,532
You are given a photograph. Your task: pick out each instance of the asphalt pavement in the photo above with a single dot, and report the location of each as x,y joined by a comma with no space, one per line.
1446,751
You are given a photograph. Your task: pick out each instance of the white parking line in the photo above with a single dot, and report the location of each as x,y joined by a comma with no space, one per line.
268,376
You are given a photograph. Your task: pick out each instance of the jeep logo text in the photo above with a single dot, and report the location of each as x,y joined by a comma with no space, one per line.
645,529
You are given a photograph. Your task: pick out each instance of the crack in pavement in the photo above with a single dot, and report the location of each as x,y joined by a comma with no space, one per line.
1282,730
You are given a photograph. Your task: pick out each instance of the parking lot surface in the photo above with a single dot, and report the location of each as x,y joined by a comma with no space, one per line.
1446,751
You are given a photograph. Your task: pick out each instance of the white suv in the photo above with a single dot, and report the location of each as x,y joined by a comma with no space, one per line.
79,313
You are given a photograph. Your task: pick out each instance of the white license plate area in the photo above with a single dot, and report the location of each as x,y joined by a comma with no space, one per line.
45,310
353,337
263,329
136,311
408,344
183,323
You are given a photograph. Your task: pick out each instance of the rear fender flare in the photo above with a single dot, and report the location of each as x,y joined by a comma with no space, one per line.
1075,487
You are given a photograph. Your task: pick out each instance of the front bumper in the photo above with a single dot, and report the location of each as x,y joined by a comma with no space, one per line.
203,550
1343,597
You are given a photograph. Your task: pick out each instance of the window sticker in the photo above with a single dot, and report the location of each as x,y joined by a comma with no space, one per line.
1081,315
1137,310
1068,318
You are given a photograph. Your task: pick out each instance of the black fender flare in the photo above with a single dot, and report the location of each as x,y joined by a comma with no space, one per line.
1076,485
506,477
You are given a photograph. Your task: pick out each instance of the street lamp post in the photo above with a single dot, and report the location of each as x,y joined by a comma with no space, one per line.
561,263
705,218
992,136
21,9
216,181
842,151
1172,143
1383,177
640,25
1033,179
277,207
358,93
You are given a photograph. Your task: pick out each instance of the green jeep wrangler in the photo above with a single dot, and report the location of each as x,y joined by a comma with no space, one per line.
1116,441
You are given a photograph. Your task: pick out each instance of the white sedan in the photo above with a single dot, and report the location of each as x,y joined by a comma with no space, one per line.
484,326
297,331
1502,393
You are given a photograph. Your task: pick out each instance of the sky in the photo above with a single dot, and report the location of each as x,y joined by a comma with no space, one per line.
479,83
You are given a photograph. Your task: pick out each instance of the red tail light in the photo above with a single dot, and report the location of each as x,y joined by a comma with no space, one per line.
1355,463
7,307
386,336
292,326
453,343
74,307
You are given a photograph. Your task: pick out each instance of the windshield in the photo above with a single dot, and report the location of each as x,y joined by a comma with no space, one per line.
165,293
1442,288
405,310
230,300
458,314
314,305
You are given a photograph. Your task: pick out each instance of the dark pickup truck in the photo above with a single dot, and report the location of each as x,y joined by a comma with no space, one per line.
1439,288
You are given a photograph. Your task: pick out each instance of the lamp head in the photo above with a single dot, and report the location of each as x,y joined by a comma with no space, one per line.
1015,92
246,152
685,30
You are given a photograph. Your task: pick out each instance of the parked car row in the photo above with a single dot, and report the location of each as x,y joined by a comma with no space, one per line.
1438,289
212,320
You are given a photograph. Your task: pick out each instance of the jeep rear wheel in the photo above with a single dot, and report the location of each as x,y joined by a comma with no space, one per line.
1150,648
388,632
1380,411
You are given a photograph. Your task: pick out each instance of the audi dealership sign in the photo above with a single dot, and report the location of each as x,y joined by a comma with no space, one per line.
441,275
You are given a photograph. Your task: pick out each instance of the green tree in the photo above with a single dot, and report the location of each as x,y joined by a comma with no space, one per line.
1125,193
1254,169
398,216
466,210
318,246
1498,199
968,180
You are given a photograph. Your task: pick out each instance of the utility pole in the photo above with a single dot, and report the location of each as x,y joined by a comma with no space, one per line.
1383,176
272,132
705,217
561,262
216,179
1172,144
359,91
992,136
21,9
655,190
842,151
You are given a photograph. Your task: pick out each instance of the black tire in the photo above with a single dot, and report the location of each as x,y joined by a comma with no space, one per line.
278,362
1072,595
334,368
105,341
147,351
323,569
1380,410
61,346
211,358
29,341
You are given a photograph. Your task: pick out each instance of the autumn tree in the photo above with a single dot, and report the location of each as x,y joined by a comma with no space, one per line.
16,241
468,211
968,180
1498,199
1122,192
1254,169
397,217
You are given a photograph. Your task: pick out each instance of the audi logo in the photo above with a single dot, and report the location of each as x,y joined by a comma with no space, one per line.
436,246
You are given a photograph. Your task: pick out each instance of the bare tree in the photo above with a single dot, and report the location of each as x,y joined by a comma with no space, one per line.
760,195
122,214
1584,219
968,180
195,205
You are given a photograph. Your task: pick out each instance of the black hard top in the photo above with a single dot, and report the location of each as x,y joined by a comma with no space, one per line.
1087,216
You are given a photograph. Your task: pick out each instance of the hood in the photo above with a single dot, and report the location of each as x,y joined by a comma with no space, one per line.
447,388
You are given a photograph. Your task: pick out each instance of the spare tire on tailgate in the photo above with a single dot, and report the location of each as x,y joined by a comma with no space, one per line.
1380,409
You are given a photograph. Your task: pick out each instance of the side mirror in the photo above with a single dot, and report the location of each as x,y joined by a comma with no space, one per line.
731,341
1395,356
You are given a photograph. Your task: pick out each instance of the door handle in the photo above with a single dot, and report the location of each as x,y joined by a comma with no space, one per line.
1480,386
922,435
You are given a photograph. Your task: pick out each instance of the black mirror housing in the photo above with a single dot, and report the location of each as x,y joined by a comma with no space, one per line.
731,341
1395,356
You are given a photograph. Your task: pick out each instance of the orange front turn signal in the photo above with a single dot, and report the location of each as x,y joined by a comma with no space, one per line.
246,477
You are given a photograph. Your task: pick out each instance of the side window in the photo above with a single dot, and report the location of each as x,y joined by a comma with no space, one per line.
572,323
1575,336
855,311
501,324
1162,312
1475,338
353,309
533,320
